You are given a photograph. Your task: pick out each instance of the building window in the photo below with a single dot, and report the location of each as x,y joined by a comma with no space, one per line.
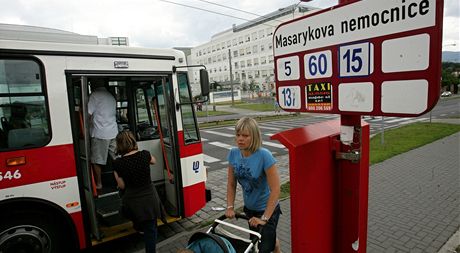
241,51
234,43
249,63
269,31
263,60
270,58
248,50
256,61
254,36
229,44
261,34
119,41
235,53
248,38
262,48
254,49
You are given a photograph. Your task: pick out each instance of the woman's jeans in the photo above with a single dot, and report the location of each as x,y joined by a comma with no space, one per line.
150,235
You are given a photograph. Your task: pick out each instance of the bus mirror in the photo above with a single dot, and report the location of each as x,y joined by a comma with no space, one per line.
204,82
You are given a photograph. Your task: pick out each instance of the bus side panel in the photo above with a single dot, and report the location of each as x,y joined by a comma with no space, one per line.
41,165
48,173
194,198
78,221
193,174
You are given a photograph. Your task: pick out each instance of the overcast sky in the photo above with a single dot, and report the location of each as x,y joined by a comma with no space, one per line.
155,23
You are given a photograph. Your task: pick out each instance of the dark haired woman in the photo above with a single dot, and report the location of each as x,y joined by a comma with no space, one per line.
140,201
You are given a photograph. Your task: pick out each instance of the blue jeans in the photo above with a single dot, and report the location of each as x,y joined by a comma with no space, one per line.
150,235
268,233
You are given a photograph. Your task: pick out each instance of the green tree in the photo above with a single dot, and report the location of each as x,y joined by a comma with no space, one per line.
449,77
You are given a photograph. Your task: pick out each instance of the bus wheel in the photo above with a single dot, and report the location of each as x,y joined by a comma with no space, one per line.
27,234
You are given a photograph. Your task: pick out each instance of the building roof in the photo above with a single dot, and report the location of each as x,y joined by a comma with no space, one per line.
36,33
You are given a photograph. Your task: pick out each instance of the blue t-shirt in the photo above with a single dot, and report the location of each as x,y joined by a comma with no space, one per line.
250,173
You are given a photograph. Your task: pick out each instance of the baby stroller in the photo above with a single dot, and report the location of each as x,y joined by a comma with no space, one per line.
232,243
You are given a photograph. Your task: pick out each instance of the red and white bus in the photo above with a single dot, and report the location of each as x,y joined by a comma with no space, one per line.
48,201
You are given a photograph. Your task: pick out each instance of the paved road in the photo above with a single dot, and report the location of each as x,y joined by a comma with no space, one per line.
217,141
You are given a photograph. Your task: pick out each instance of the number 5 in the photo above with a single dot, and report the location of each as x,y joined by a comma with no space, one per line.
287,68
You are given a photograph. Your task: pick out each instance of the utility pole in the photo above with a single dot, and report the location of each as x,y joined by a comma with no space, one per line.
231,74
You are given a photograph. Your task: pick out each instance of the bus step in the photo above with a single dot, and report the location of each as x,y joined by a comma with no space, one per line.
108,209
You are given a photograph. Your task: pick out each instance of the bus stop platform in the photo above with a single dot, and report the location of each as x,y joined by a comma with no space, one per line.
414,203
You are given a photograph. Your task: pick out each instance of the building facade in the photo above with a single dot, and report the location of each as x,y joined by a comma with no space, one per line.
246,49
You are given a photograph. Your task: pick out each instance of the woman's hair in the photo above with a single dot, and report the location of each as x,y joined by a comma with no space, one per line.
252,127
126,142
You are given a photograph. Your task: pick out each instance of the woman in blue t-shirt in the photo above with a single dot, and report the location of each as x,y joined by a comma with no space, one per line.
254,168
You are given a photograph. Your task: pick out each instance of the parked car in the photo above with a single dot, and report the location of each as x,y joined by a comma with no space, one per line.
446,94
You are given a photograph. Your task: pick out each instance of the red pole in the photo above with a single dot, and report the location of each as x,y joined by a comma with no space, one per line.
353,177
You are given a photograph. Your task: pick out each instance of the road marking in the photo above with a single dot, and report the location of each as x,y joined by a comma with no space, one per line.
210,159
273,144
221,145
270,128
270,135
219,133
413,120
396,120
204,139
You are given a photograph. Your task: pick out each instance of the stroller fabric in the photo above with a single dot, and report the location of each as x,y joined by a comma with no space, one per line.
209,243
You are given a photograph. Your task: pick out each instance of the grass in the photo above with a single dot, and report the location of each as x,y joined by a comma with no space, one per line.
403,139
398,141
257,107
211,113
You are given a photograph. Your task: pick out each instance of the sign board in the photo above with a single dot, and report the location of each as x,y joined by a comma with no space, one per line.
369,57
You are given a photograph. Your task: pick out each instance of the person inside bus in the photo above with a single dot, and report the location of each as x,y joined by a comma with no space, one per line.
18,116
254,168
103,127
140,201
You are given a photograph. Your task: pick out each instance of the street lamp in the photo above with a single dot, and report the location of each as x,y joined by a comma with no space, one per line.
297,5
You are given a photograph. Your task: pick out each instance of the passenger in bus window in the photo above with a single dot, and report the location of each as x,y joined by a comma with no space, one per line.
18,116
103,127
140,201
254,168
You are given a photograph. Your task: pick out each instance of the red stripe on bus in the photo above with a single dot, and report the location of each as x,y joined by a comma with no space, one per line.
41,164
194,198
189,149
78,221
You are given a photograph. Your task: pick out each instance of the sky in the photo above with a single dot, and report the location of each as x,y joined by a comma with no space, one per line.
156,23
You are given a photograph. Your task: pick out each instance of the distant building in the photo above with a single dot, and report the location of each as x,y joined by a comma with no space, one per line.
36,33
250,46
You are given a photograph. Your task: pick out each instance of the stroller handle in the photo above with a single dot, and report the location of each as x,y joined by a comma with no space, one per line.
237,215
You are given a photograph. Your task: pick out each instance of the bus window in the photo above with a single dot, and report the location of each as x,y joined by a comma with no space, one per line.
188,119
23,112
147,126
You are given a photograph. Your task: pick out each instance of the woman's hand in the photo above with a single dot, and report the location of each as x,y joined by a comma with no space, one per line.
230,213
254,222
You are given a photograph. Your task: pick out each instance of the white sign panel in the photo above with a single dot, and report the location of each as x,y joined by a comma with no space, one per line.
288,68
358,21
289,97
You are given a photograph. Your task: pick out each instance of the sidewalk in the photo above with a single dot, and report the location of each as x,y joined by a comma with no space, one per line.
414,202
